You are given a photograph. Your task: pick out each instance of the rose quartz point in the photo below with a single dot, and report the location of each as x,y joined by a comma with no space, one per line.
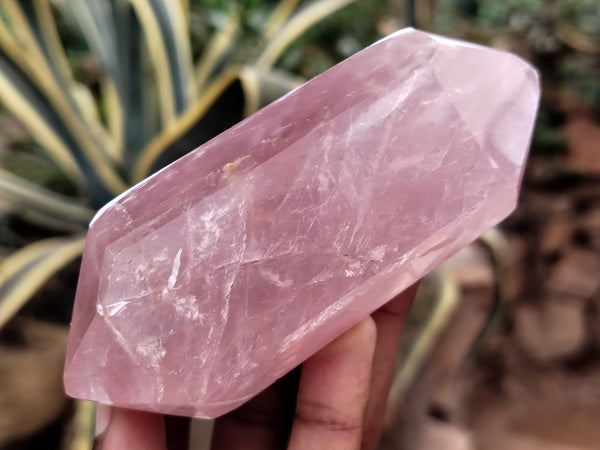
206,282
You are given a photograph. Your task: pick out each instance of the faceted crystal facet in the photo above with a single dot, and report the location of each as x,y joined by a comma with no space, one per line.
206,282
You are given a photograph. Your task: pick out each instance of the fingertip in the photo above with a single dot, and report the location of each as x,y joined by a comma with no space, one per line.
103,413
363,334
134,430
367,330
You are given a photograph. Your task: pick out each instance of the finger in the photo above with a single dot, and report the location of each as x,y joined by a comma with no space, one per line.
134,430
262,423
333,392
103,413
390,320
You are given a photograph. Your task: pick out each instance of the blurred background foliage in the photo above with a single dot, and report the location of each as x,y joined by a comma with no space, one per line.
107,92
98,94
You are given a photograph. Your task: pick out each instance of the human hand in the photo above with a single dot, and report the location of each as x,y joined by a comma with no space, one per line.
337,400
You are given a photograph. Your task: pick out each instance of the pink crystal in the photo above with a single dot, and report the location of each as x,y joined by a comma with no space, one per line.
206,282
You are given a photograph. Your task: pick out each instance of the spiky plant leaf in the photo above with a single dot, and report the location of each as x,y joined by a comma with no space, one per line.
297,25
163,23
26,270
215,49
279,16
40,19
176,138
127,143
96,22
41,206
47,109
68,97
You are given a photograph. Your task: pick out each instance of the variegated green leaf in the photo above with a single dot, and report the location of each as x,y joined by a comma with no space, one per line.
31,22
42,206
165,30
297,25
137,95
173,22
41,20
262,87
448,300
113,33
217,46
95,19
189,130
279,16
26,270
233,95
49,111
22,99
31,107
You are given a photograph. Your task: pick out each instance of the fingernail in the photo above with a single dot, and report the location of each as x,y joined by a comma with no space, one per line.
103,413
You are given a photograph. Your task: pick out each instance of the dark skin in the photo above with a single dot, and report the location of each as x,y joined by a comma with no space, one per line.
336,401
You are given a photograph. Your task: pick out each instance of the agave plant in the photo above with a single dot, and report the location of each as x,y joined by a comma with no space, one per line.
153,103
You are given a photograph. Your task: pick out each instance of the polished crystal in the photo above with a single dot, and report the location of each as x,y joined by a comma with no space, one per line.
206,282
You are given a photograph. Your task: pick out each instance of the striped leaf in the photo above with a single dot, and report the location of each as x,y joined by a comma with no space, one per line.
24,100
166,35
448,300
95,19
279,16
217,47
26,270
297,25
233,95
28,19
262,87
40,17
41,206
112,31
189,130
33,95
